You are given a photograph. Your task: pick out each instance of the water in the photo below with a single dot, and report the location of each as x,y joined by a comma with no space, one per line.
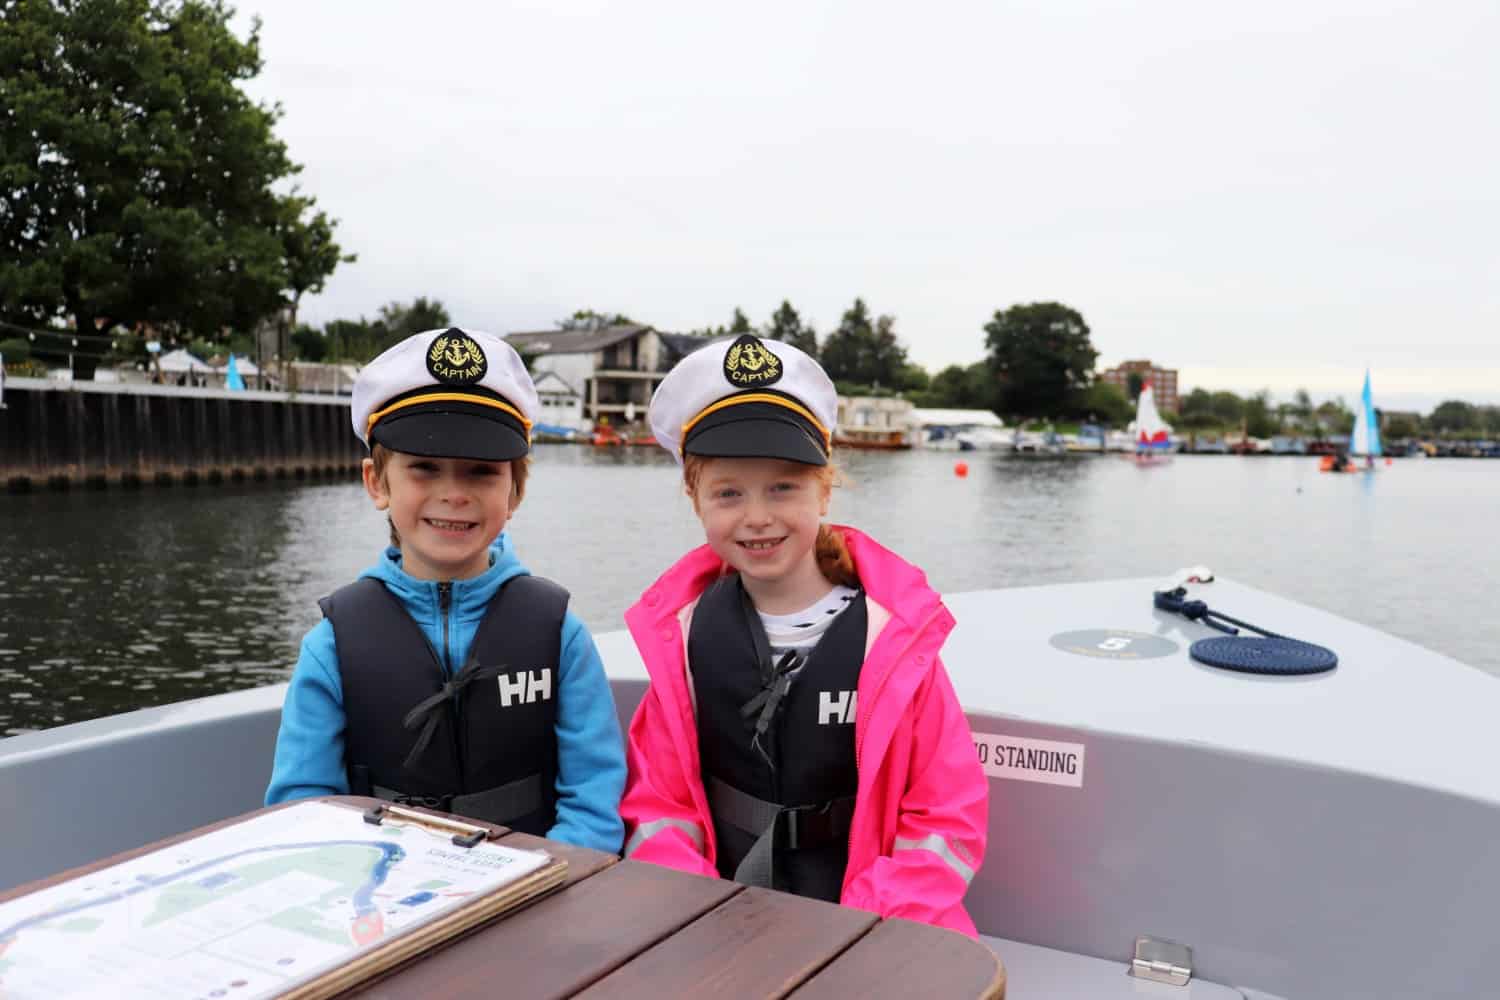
120,600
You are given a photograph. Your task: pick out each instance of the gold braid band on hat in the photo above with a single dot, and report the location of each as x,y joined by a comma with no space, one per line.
449,397
759,397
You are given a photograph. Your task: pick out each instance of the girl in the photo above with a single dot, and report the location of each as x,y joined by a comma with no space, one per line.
799,730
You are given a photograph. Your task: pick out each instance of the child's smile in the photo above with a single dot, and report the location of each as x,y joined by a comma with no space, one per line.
761,515
455,527
446,511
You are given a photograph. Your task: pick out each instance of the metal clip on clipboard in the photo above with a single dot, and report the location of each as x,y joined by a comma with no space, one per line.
464,834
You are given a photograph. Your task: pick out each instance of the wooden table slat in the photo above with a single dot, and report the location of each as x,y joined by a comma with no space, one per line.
583,862
756,944
559,945
899,959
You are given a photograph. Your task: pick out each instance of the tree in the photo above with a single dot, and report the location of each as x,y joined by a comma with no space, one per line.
959,387
1333,417
311,253
1103,402
787,327
1401,426
738,324
864,353
139,179
1041,357
1301,409
1196,410
401,321
353,339
1259,420
1134,382
1454,415
309,344
589,319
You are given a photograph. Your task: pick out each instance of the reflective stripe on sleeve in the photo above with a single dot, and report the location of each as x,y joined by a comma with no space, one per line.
937,845
648,830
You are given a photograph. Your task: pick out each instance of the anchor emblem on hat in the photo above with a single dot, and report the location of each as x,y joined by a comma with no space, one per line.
750,363
455,357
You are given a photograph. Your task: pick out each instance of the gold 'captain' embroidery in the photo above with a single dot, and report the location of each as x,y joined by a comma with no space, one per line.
454,357
750,363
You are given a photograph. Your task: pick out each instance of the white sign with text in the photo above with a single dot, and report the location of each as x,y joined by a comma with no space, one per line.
1021,759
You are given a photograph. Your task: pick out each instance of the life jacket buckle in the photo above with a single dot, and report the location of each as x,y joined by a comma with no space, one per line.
807,826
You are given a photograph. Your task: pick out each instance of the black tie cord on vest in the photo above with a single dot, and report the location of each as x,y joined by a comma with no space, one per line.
775,679
768,701
428,711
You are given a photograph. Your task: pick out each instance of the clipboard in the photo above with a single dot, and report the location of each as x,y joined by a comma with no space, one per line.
296,881
399,949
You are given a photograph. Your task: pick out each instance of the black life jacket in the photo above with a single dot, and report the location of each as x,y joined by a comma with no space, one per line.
802,767
479,742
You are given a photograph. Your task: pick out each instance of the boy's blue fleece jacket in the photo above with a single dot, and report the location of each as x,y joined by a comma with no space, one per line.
590,754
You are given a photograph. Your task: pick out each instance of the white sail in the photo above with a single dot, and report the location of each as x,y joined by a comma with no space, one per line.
1151,432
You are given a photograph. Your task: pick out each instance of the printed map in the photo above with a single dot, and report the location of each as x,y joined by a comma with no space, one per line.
244,912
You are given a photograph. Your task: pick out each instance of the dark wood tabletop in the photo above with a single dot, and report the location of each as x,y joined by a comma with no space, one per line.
627,929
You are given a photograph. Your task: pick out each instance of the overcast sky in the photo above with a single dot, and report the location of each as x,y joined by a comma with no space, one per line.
1261,195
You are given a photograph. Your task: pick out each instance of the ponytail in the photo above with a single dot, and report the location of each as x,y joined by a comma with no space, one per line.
834,561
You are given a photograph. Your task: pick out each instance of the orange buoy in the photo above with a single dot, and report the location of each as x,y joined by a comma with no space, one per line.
960,469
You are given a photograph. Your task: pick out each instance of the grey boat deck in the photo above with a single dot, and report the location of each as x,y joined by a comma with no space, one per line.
1299,833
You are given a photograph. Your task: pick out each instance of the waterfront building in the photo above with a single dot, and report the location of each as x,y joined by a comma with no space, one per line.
562,403
874,422
613,369
1163,381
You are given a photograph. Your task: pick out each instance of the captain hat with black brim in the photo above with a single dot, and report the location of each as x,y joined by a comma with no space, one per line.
746,398
450,393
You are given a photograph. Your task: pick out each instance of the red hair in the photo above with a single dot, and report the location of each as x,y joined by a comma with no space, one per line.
834,561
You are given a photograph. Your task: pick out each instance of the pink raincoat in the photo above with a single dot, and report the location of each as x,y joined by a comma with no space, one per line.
922,806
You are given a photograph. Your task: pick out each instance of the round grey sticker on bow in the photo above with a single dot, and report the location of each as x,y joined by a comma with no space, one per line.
1114,644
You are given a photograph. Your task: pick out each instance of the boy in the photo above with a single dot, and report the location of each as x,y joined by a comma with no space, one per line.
446,675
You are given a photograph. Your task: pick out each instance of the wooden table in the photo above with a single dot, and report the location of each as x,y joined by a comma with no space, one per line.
626,929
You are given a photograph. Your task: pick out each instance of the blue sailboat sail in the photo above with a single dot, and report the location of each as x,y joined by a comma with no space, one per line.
1365,440
232,378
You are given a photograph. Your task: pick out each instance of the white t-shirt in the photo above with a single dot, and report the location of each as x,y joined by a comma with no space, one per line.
803,629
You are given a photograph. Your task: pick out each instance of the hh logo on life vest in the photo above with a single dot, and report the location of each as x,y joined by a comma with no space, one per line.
836,707
525,687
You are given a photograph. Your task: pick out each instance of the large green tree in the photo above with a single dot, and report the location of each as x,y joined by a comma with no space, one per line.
140,183
787,326
1041,357
865,352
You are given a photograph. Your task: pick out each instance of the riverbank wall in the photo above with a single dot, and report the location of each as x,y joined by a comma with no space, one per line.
63,435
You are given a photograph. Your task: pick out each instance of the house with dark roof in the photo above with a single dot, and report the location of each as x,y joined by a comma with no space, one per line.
613,369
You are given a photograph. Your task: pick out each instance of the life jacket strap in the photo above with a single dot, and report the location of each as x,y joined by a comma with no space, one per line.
785,827
499,805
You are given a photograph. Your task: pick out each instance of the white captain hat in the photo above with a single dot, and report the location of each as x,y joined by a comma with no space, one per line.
447,394
746,398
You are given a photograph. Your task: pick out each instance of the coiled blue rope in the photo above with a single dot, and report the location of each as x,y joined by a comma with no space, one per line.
1266,653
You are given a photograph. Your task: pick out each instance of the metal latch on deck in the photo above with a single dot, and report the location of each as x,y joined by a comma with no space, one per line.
1162,961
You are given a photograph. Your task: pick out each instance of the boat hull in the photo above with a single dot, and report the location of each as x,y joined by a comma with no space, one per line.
1295,832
